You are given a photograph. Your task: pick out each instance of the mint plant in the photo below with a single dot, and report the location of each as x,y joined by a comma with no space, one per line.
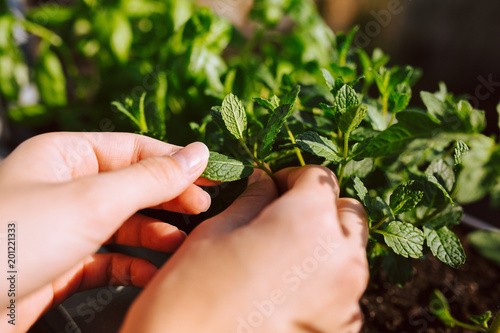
288,99
480,323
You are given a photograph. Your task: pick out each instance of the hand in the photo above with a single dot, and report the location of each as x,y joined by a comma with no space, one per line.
68,193
296,263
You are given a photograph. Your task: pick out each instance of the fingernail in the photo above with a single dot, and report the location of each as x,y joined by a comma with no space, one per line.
192,156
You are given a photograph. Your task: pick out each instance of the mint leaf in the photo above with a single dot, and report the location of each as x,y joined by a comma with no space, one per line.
397,269
451,216
460,150
291,97
234,116
440,308
346,98
445,245
435,106
482,319
330,81
217,118
351,118
318,145
487,242
411,125
380,209
478,174
400,98
443,173
226,169
434,181
406,197
362,193
265,103
404,239
274,125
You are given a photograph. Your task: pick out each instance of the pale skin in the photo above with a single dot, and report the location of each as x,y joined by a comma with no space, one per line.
277,260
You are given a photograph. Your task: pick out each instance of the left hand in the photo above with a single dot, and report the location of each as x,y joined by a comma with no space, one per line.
69,193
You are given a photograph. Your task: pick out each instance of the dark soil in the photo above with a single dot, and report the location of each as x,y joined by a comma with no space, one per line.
471,289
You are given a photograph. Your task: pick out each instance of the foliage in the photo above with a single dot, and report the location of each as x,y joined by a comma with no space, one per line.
283,96
440,308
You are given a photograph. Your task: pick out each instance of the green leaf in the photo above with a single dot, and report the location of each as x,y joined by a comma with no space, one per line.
346,98
406,197
330,81
318,145
482,319
352,118
362,193
121,36
478,175
400,98
487,242
443,172
404,239
120,107
445,245
359,168
234,116
291,98
265,103
215,113
274,125
440,308
460,151
226,169
380,209
451,216
435,106
50,80
411,125
434,181
397,269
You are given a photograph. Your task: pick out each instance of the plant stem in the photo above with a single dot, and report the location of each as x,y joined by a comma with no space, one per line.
344,161
296,149
385,106
392,119
379,223
258,162
470,327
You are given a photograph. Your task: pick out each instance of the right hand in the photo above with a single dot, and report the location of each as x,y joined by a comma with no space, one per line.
294,263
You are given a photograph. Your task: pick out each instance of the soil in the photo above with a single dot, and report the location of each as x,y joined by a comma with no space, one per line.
471,289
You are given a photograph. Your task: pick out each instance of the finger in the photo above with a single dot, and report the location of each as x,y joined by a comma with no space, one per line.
144,231
193,200
148,183
311,178
206,182
307,208
354,220
260,191
62,156
102,270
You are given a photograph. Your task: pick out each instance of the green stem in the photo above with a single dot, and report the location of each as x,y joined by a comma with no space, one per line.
385,106
392,119
344,161
379,223
297,150
469,327
258,162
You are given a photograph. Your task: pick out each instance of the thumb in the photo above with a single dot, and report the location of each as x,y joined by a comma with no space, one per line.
148,183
